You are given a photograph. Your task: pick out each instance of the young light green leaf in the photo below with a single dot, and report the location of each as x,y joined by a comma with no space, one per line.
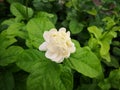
104,50
21,11
9,55
85,62
95,31
36,28
109,22
75,26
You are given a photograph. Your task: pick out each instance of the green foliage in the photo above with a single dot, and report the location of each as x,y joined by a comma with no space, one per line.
95,31
103,37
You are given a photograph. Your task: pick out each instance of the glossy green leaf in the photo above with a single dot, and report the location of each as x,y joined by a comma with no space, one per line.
21,11
36,28
29,58
85,62
48,75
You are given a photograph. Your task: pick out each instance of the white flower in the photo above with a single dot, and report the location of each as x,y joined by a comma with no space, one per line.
58,44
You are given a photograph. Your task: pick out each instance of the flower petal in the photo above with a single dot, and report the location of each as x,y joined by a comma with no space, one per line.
46,36
43,46
58,59
62,29
72,49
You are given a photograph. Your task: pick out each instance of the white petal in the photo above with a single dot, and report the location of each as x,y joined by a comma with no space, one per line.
43,46
62,29
73,49
58,59
53,30
68,33
46,36
48,54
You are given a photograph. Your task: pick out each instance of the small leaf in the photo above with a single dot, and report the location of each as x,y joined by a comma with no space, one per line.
75,26
92,12
95,31
109,22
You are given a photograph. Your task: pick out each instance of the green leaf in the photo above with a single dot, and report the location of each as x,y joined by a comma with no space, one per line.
6,40
75,26
52,17
105,44
44,77
105,85
48,76
9,21
104,50
85,62
6,81
114,78
92,12
36,28
116,51
16,29
21,11
9,55
28,58
109,22
66,79
95,31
